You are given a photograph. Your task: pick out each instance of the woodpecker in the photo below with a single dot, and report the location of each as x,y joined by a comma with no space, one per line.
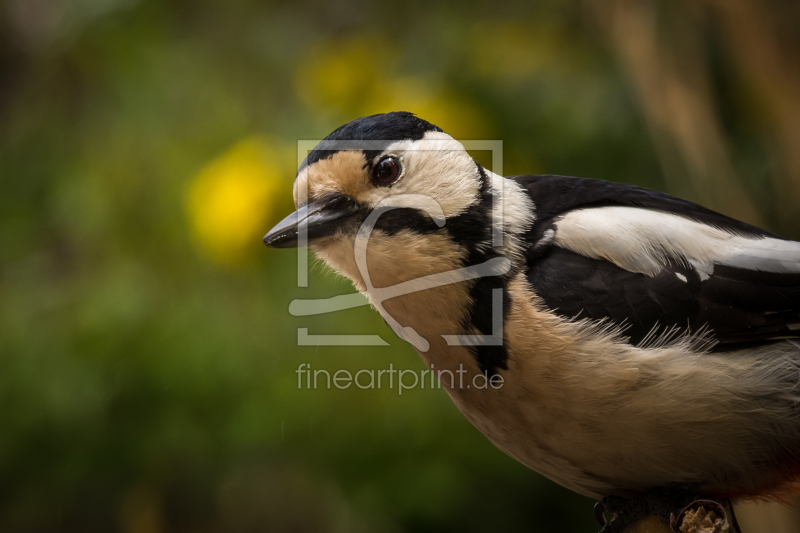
646,341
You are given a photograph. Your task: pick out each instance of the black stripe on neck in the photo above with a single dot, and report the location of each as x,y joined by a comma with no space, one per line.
473,230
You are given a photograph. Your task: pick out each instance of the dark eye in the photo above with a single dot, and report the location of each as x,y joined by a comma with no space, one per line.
386,171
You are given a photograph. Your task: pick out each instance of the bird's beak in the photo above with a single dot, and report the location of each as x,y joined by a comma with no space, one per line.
319,219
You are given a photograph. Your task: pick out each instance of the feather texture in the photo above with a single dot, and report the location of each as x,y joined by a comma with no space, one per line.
616,299
653,264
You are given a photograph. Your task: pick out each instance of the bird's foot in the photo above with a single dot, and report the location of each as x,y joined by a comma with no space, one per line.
673,505
713,516
663,502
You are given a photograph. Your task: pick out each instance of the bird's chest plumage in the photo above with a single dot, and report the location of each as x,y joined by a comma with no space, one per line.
596,415
577,404
518,415
538,424
524,417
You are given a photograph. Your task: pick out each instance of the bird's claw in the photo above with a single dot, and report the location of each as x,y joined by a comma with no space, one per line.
672,505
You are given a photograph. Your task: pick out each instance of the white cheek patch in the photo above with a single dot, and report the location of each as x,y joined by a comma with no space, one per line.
436,166
644,241
514,207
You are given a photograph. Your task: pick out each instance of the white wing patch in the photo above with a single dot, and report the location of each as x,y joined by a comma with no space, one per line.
641,240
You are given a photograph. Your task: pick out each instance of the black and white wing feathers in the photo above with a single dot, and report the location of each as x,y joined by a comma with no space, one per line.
652,263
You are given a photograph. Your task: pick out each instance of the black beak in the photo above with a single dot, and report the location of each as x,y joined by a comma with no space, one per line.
319,219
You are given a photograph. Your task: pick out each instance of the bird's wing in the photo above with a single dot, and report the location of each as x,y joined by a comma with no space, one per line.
652,263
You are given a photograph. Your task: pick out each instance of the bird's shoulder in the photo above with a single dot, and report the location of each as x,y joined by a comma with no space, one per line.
653,263
556,195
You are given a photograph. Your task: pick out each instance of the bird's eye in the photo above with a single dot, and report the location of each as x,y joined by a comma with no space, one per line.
386,171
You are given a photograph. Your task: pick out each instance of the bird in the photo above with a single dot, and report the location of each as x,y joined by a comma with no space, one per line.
641,341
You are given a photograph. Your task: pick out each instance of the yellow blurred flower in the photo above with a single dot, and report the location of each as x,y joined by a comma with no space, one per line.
340,75
435,103
512,52
347,79
232,200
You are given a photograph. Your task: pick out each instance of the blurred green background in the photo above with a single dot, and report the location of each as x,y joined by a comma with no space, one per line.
147,355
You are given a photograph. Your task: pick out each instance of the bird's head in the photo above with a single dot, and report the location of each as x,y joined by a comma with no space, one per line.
414,175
